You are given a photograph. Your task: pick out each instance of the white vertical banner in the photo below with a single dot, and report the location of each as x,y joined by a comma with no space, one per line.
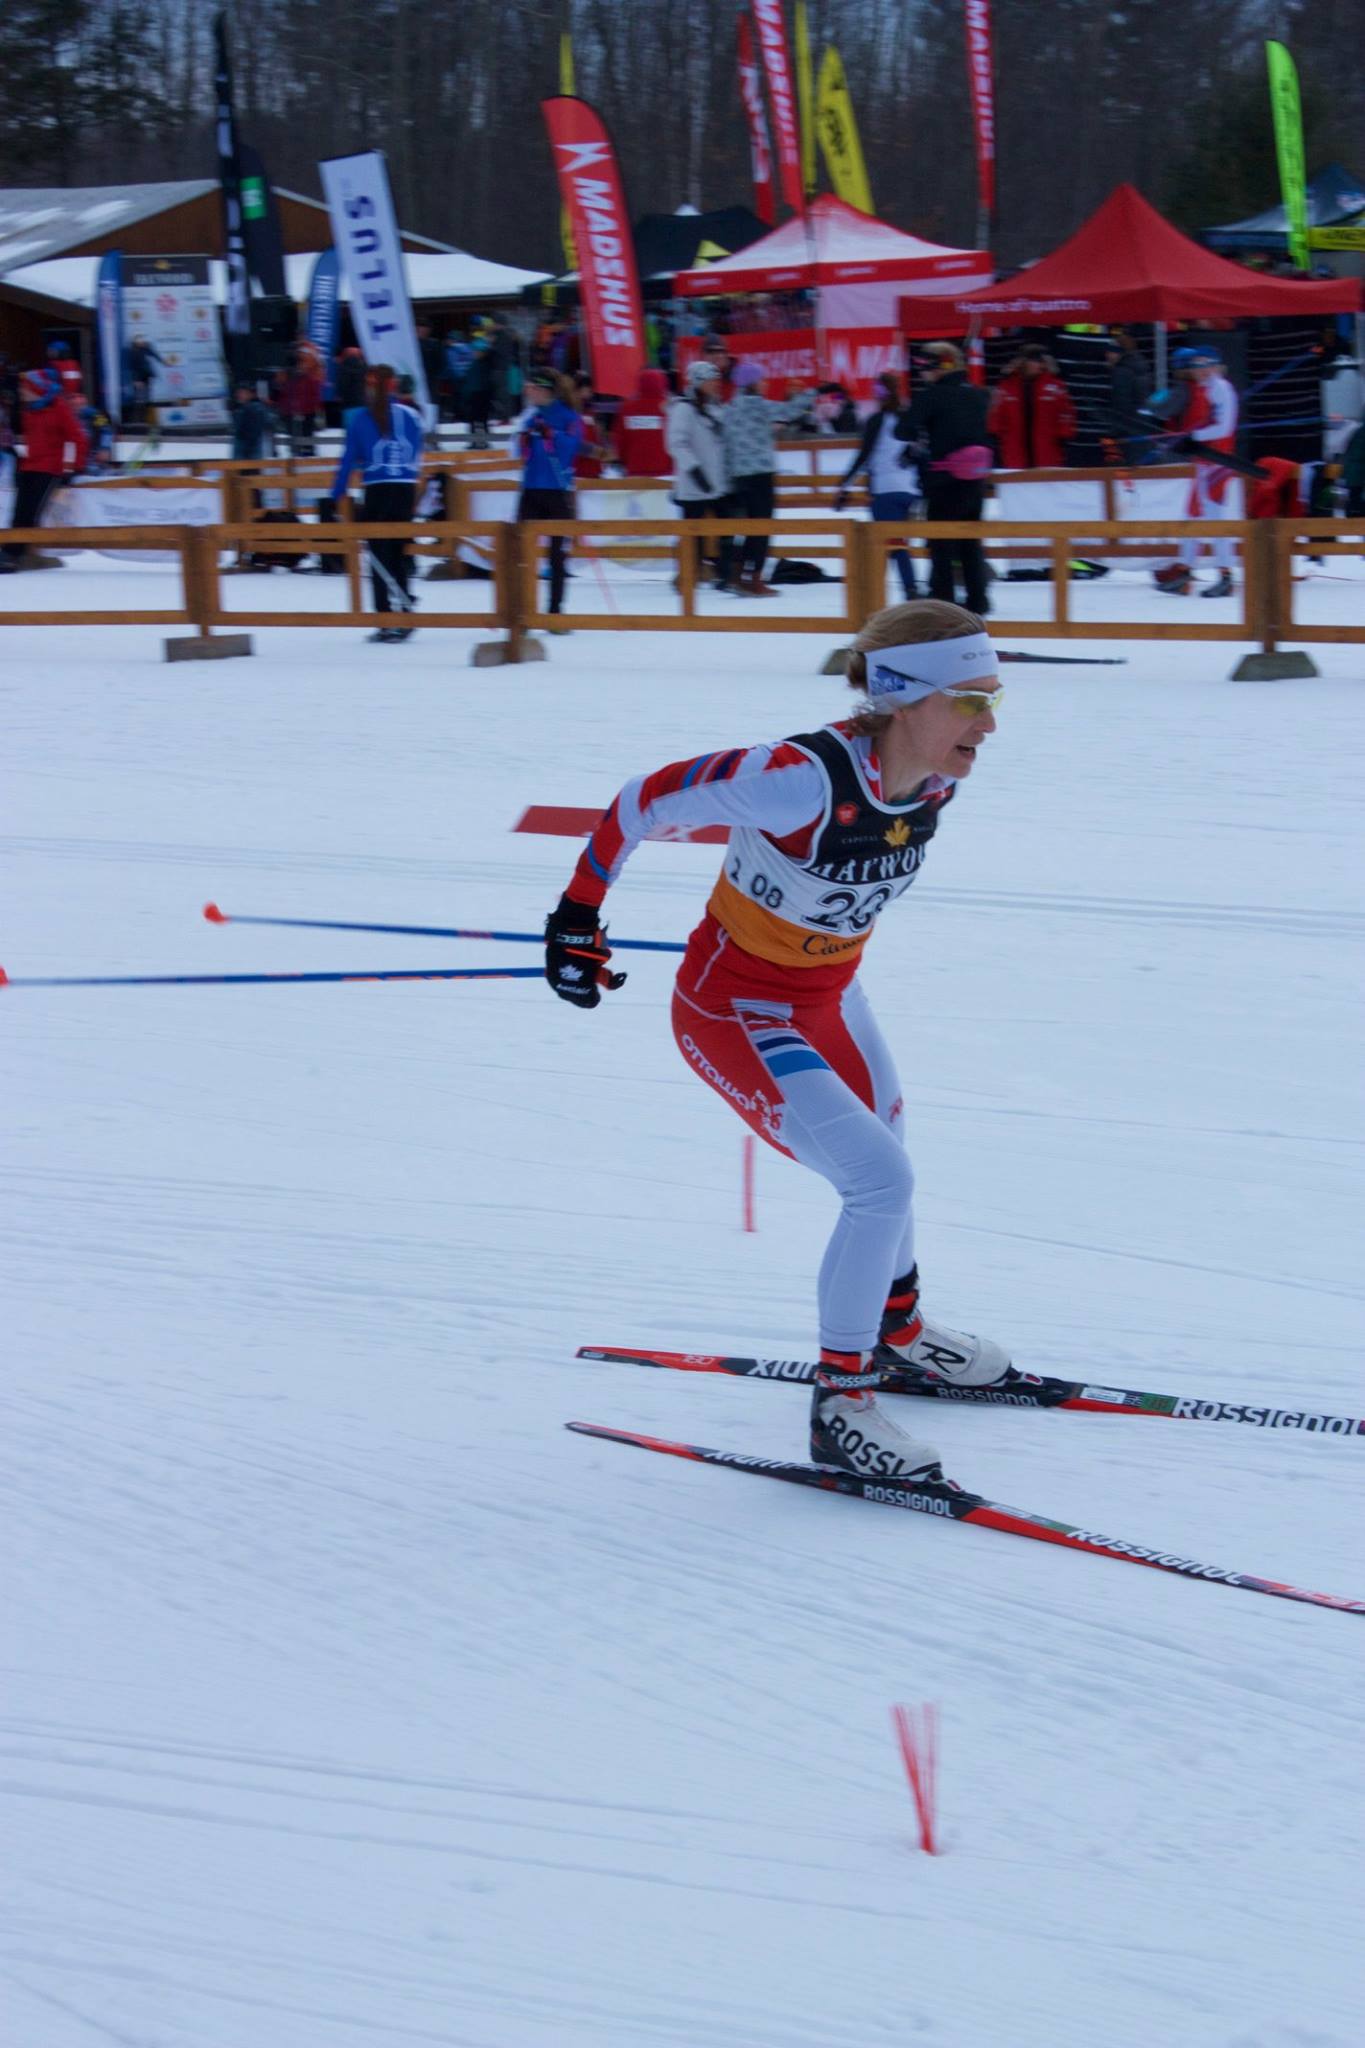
168,301
365,233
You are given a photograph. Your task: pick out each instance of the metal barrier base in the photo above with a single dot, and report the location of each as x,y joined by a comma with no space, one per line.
206,647
1278,667
497,653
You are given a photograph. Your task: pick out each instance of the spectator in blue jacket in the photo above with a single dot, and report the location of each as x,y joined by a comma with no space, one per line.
477,390
384,442
549,434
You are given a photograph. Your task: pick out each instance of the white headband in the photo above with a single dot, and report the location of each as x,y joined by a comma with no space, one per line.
902,675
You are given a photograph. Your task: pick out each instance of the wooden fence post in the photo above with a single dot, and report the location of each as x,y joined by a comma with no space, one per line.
509,596
202,601
1268,573
451,568
355,593
1061,581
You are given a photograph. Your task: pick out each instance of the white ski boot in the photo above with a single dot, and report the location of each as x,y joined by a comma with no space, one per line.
932,1349
848,1430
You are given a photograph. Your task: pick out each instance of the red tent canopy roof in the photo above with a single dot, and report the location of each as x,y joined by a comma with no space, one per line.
1128,263
831,243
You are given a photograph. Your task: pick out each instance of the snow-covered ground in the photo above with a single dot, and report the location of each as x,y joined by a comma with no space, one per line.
348,1698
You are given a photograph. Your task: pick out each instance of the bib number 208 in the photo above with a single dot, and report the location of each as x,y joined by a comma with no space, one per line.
760,888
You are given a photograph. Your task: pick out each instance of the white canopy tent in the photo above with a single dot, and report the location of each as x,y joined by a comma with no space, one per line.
434,277
860,266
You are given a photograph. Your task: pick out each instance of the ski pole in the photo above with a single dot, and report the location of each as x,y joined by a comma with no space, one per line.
239,980
430,931
1066,660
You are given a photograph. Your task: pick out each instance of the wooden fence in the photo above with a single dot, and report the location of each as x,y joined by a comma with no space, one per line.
1268,549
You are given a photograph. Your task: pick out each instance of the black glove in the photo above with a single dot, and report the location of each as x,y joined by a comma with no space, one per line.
700,479
576,955
840,499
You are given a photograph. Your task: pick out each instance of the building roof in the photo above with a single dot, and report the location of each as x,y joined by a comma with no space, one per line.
41,222
1127,263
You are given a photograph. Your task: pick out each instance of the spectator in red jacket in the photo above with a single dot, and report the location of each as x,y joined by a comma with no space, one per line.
301,398
1279,493
1031,415
641,426
55,445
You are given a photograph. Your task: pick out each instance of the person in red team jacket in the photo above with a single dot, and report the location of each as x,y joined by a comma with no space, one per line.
1032,417
642,426
55,445
826,829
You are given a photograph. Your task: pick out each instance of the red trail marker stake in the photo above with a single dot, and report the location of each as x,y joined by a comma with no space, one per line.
747,1177
917,1733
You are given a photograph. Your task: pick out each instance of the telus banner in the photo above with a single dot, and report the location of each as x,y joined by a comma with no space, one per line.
365,232
590,187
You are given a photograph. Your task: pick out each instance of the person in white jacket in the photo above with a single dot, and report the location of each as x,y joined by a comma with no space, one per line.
696,448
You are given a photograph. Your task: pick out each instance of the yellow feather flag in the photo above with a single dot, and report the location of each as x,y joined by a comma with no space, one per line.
805,97
1284,102
566,85
839,135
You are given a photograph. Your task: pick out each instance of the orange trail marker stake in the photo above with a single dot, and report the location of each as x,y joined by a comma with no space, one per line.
917,1733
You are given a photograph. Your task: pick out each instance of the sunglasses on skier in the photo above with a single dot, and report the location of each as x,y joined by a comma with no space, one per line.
971,703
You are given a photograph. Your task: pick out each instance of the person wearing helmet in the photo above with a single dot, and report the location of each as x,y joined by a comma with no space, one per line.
826,829
1207,424
696,448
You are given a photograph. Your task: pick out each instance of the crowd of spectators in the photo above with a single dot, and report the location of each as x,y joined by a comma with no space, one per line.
926,446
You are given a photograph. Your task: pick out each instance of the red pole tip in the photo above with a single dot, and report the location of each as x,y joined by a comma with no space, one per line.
4,978
214,914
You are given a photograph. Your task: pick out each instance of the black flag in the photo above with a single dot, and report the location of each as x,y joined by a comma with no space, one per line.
261,223
238,318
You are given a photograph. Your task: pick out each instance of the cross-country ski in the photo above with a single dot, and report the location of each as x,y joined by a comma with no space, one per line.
950,1503
1020,1390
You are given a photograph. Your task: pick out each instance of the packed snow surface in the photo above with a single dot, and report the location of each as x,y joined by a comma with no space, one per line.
348,1698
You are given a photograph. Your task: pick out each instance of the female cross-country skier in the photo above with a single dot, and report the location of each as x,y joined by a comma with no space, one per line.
826,829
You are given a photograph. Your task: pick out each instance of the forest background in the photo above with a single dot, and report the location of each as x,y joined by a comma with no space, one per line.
1168,93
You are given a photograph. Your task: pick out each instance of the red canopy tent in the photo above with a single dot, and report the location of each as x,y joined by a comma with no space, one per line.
1127,263
859,268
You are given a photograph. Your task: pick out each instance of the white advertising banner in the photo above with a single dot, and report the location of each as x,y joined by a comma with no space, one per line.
168,302
365,235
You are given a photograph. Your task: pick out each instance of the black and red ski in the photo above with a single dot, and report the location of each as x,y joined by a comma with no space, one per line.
1023,1390
947,1503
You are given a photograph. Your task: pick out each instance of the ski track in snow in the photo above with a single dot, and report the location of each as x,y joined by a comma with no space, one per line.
347,1699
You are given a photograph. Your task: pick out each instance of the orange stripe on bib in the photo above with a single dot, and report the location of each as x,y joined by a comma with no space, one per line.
769,937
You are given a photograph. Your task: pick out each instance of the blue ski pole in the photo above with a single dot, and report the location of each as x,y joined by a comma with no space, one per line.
429,931
240,980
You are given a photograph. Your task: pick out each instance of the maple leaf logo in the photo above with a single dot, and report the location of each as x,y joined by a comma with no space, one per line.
897,834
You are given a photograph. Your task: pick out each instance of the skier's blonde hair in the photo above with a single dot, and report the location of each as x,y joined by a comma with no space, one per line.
912,624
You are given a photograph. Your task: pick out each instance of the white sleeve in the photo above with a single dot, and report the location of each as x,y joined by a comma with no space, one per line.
775,787
1223,399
